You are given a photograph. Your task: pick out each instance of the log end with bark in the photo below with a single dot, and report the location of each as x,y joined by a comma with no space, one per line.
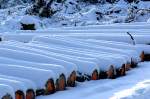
19,95
7,96
71,82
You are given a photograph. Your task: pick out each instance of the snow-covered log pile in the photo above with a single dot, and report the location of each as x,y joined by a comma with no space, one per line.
38,58
32,64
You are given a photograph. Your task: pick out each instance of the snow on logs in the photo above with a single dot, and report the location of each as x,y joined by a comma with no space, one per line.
90,73
118,45
26,56
113,26
76,44
142,49
19,88
119,37
77,54
52,52
6,92
71,53
31,87
45,85
58,70
114,44
91,54
56,60
99,58
103,34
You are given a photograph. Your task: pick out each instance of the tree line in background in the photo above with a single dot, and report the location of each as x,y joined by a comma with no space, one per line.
44,8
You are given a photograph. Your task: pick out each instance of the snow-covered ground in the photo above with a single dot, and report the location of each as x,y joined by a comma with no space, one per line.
135,85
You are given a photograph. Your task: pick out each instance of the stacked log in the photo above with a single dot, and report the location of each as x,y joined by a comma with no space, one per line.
26,72
50,42
6,92
38,58
30,92
57,69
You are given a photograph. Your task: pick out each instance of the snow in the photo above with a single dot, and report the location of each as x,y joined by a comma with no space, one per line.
99,33
139,91
109,44
39,76
83,55
118,45
111,26
6,89
11,24
90,15
22,38
71,55
16,85
148,21
138,47
37,50
78,44
112,37
27,19
21,55
90,66
28,83
57,69
81,64
143,5
142,47
59,31
103,60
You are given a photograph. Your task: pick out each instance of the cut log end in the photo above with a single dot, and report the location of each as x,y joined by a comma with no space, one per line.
128,66
61,83
71,82
121,71
30,94
95,75
142,56
7,96
50,87
111,72
19,95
